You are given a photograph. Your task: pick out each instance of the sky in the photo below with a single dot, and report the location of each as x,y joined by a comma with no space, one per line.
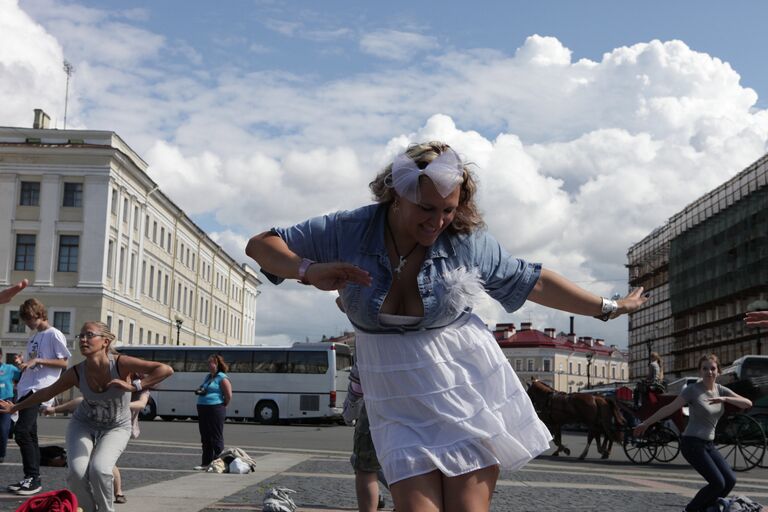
588,123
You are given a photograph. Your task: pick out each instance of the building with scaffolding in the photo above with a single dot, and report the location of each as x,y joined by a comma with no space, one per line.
703,268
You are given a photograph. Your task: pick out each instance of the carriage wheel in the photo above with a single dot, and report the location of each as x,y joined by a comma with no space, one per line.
741,441
666,441
762,419
639,450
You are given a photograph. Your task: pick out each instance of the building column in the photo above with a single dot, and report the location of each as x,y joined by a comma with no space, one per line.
93,253
8,202
46,251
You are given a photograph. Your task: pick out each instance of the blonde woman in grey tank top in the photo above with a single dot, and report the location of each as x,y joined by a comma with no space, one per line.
101,425
706,400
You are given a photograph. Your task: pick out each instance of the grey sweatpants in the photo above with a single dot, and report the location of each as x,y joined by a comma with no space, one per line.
91,455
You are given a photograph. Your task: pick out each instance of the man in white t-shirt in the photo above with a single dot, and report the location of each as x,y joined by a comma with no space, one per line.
44,359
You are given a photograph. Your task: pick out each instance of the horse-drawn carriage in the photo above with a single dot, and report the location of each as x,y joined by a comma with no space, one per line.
740,437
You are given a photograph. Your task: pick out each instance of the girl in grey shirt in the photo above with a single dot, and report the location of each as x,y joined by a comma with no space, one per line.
706,402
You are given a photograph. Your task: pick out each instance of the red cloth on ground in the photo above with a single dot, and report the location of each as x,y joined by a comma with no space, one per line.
54,501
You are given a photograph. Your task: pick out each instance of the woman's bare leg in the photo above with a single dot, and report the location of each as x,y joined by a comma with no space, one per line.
116,481
422,493
471,492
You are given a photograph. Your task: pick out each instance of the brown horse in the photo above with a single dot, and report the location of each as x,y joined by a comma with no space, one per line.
596,413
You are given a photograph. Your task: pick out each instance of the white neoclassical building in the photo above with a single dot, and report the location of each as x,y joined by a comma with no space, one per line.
97,239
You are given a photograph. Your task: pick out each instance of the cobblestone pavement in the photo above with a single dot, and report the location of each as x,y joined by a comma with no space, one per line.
158,475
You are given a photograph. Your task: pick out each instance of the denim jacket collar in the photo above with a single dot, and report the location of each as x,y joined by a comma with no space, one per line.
373,240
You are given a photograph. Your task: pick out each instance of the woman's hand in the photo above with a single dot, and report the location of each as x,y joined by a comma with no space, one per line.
639,430
717,400
633,301
121,384
757,319
6,407
48,411
335,276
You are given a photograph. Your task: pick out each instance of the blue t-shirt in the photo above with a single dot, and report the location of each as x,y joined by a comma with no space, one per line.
8,375
214,394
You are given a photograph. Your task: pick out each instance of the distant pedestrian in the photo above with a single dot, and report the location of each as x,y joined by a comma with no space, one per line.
101,425
706,402
213,396
43,360
9,376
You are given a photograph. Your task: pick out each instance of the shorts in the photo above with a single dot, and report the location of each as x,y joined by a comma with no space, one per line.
363,453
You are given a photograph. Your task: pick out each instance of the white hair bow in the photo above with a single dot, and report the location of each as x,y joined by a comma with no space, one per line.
446,172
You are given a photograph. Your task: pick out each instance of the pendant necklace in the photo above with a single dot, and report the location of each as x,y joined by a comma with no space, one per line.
402,260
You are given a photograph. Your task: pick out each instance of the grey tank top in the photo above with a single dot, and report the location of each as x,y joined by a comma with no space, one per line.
109,409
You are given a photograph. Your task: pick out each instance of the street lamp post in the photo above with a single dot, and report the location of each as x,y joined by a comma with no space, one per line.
590,355
179,321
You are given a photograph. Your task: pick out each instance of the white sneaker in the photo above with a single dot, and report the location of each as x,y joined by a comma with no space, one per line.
200,468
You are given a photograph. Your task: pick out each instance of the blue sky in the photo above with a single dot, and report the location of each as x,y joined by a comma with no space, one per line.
590,122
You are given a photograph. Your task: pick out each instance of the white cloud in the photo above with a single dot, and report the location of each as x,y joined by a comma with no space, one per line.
576,160
396,44
31,71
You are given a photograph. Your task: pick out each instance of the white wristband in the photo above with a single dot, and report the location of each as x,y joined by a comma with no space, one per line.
137,385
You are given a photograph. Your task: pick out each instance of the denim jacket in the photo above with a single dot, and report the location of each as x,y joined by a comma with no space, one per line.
357,237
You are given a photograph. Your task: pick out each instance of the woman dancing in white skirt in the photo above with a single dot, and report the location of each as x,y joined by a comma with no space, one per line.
445,408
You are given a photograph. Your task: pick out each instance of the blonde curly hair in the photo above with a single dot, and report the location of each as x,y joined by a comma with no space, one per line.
467,218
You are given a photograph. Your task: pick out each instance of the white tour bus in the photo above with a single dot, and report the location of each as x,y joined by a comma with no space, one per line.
306,380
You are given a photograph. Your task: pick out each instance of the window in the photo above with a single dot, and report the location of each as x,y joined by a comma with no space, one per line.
307,362
143,275
168,248
130,333
165,290
109,321
547,365
113,206
578,366
25,252
30,193
68,252
61,321
135,218
154,231
121,266
570,368
14,322
518,365
270,361
73,195
141,335
162,236
132,281
110,257
125,209
151,280
530,365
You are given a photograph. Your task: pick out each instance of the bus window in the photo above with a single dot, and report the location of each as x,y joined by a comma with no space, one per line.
270,361
239,361
343,361
308,362
197,361
173,358
754,367
141,354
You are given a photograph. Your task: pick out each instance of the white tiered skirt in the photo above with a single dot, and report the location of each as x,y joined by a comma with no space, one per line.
445,399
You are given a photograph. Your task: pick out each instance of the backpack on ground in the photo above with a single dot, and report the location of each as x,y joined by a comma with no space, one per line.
62,500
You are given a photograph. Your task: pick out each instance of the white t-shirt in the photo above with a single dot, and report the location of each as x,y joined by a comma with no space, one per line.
47,344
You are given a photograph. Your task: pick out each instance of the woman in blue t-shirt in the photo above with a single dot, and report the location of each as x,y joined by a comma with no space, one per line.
212,399
9,375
